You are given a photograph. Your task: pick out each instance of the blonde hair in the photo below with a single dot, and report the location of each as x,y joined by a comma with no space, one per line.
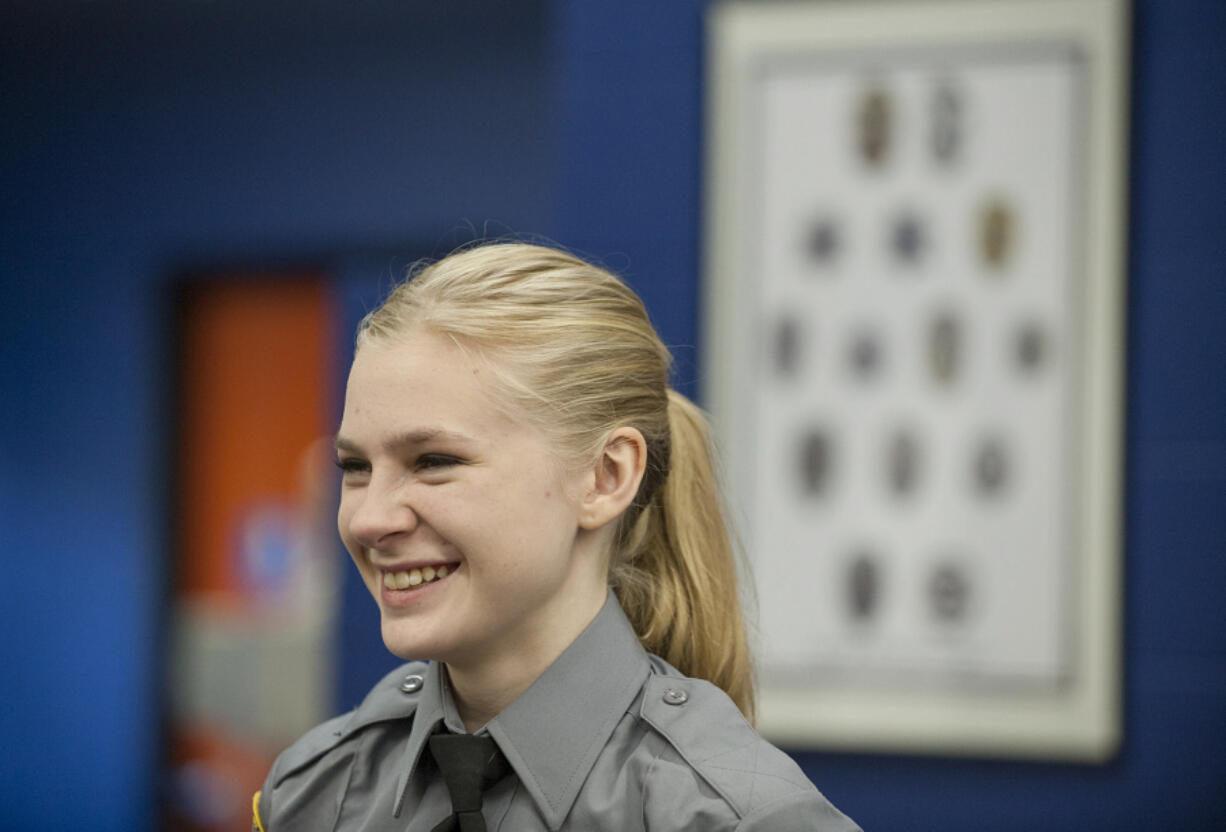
572,347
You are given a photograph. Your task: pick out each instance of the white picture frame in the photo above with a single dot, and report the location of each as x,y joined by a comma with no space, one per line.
875,698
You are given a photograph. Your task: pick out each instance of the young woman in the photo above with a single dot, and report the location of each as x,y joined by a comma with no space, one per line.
534,512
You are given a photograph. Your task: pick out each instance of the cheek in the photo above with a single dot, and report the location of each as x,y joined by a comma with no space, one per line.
507,529
541,514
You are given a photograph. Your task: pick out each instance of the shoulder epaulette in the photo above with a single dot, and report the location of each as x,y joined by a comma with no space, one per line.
388,699
710,733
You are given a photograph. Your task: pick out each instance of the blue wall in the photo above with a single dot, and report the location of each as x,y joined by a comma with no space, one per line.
139,136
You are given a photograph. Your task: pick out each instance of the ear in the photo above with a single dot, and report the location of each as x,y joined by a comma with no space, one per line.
615,478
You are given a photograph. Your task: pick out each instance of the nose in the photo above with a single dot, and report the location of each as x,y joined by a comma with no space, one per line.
377,515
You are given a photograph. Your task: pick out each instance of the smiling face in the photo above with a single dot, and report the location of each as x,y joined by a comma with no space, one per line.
438,480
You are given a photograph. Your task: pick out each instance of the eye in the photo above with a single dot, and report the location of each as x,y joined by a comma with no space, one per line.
353,465
428,462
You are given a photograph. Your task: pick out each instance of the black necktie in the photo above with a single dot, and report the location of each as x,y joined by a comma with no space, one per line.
469,765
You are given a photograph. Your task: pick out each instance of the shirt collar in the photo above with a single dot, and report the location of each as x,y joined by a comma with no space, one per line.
554,731
432,707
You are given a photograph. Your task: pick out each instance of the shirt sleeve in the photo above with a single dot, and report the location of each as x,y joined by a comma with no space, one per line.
802,812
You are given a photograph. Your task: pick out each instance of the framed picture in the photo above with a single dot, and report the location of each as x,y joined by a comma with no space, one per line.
914,265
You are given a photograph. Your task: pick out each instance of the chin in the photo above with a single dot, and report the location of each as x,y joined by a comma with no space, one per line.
405,641
409,649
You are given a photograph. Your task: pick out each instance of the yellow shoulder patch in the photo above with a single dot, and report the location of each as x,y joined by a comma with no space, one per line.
257,825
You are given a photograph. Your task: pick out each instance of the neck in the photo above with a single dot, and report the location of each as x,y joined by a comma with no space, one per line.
483,688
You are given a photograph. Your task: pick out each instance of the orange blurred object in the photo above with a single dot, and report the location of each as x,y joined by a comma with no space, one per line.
254,397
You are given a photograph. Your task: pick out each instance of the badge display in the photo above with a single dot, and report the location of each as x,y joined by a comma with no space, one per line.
910,353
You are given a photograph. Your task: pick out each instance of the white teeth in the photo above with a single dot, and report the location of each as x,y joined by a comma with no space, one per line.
414,577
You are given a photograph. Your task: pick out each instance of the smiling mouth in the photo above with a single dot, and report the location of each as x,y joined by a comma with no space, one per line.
410,578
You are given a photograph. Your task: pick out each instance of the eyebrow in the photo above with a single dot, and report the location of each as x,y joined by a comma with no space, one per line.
407,439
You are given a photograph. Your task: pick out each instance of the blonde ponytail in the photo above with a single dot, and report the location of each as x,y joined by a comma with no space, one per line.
677,581
572,347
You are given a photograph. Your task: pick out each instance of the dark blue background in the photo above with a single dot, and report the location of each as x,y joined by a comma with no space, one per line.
140,137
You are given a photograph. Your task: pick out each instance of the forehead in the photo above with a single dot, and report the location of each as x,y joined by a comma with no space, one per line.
422,381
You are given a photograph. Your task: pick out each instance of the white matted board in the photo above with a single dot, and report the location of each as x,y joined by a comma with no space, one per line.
913,347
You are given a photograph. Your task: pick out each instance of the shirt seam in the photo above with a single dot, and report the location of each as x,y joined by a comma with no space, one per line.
647,778
694,766
357,753
756,773
767,808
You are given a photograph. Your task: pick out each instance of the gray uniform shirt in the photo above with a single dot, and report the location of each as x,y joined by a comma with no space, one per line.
608,738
